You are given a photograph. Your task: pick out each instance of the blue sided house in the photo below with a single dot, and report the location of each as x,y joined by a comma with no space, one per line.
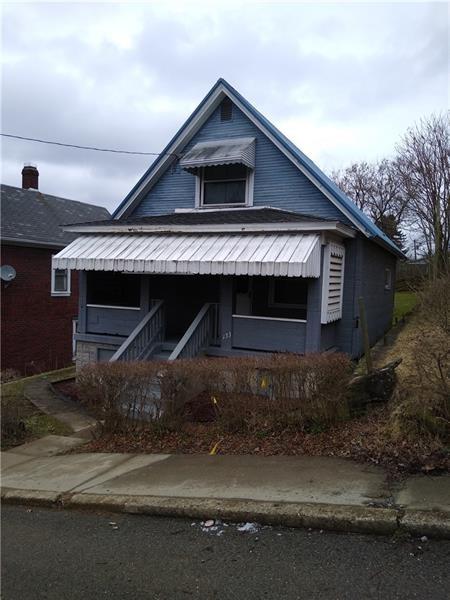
232,243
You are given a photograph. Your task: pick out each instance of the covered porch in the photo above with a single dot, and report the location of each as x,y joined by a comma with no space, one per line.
145,297
245,313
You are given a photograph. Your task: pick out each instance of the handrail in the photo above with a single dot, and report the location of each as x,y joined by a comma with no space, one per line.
200,333
147,332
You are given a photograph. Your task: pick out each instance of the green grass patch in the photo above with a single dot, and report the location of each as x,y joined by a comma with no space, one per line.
404,304
40,425
21,420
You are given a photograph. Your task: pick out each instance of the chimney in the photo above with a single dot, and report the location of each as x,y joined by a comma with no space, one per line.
30,177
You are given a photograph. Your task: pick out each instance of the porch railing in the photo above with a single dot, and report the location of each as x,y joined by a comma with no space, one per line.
148,333
202,332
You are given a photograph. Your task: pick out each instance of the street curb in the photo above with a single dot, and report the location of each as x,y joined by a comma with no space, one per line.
329,517
32,497
317,516
434,524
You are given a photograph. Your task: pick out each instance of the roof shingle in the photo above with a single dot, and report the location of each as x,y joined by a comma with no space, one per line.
37,218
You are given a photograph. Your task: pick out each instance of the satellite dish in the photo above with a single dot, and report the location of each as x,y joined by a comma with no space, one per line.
7,273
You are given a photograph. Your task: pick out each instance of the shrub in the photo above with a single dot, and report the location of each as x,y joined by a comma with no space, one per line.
423,398
434,303
243,394
422,405
120,394
8,375
12,424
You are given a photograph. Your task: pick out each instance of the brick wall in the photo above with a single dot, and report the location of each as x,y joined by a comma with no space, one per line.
36,328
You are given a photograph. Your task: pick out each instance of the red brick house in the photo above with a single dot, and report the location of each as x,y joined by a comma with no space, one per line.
39,305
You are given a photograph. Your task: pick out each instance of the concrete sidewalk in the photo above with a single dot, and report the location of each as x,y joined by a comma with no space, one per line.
326,493
43,395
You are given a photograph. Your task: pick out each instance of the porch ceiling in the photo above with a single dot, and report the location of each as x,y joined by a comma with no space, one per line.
276,254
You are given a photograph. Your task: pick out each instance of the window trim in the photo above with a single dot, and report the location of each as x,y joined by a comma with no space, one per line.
273,304
66,292
387,279
199,191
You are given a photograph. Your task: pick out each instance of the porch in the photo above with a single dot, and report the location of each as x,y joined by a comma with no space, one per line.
164,317
154,295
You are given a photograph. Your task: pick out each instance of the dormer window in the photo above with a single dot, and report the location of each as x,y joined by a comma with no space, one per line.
224,171
224,185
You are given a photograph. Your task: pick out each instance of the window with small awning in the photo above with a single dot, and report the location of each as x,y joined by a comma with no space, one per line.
224,168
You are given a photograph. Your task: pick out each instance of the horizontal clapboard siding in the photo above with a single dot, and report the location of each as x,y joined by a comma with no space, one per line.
333,283
270,335
277,181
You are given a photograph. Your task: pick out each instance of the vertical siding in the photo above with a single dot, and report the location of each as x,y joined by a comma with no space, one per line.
277,182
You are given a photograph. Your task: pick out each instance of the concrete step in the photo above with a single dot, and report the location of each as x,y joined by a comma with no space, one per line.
169,345
161,355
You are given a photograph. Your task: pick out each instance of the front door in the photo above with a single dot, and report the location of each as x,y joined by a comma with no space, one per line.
183,296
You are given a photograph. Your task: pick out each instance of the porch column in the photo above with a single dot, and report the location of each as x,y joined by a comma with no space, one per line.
82,295
226,311
314,312
145,295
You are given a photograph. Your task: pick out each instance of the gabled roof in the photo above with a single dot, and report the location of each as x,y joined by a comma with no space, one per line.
223,89
29,217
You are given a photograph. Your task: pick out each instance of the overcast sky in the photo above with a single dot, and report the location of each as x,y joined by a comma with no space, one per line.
342,80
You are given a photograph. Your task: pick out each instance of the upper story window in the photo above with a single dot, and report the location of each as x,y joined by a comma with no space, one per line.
224,171
60,282
224,185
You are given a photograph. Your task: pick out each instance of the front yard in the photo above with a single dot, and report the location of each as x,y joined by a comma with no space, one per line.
407,434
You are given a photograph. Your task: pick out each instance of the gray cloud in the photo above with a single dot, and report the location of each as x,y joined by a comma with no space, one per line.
343,81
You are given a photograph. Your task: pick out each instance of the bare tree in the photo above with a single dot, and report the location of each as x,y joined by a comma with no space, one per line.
357,181
423,166
377,190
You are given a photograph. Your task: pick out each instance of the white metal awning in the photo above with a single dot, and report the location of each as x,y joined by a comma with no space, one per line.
220,152
278,254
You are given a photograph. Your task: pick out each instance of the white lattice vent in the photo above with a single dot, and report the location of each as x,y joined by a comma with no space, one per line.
333,282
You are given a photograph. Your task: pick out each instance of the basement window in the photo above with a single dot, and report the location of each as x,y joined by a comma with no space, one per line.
60,282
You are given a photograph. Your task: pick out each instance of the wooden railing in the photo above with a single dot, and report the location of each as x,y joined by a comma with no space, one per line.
147,333
202,332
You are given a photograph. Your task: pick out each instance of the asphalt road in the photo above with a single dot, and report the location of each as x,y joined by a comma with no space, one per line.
67,555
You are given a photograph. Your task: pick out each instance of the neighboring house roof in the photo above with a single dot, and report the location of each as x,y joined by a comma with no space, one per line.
223,89
30,217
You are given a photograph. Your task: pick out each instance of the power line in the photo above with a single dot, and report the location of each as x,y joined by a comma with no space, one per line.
28,139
